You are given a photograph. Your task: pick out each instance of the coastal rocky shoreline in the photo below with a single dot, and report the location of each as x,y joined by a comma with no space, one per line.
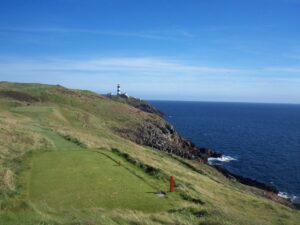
160,134
246,180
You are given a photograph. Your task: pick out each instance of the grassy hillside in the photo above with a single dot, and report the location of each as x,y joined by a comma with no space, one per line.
61,162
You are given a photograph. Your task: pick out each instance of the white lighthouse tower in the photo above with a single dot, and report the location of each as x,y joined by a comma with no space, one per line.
118,90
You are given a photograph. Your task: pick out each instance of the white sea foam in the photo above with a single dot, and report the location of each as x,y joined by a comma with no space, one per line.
283,195
292,198
222,159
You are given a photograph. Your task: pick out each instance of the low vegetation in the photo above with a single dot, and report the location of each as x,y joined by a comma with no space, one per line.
61,162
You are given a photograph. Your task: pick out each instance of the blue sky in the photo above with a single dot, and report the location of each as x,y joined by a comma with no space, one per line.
216,50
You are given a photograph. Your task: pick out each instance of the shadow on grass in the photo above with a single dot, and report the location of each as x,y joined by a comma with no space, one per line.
118,163
157,173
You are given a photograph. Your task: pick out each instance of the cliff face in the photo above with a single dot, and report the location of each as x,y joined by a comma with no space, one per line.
156,132
137,103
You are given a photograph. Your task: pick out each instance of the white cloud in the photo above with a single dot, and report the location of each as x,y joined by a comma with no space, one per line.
146,66
123,64
148,34
283,69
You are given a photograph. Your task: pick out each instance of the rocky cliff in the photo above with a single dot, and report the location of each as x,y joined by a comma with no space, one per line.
156,132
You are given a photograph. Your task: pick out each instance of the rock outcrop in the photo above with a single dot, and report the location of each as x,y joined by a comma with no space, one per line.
247,181
161,135
137,103
148,108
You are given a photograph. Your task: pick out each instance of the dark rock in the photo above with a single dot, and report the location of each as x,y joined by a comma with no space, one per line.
296,205
137,103
148,108
210,152
247,181
161,135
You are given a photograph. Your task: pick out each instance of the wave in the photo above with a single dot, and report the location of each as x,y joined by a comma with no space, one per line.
222,159
292,198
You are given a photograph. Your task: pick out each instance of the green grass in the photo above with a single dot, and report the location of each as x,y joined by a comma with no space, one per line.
33,109
59,141
83,179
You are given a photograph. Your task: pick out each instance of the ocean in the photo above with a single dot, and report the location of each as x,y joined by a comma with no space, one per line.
259,141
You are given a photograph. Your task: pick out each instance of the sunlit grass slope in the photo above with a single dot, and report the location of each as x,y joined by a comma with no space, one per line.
62,163
91,179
